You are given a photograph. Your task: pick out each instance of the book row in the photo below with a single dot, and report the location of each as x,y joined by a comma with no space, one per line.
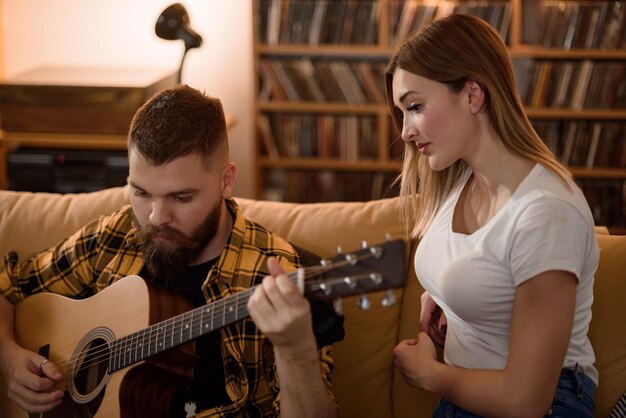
406,17
304,186
356,82
607,200
585,143
577,84
582,24
337,22
316,22
348,138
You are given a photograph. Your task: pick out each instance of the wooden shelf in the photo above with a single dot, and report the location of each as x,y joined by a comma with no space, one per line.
591,114
327,164
599,172
304,107
528,51
326,50
14,140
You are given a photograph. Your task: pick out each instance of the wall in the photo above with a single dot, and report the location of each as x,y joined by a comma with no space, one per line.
120,33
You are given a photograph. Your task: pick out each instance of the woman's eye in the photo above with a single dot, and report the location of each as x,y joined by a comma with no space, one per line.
414,107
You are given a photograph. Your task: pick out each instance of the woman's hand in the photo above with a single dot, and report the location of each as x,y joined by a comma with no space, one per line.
413,358
432,320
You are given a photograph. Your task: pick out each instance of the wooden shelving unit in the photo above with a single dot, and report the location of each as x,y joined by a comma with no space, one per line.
283,34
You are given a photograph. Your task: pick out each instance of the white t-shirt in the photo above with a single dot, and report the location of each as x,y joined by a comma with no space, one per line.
543,226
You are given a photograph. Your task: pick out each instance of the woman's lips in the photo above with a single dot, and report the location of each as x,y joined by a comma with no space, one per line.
423,147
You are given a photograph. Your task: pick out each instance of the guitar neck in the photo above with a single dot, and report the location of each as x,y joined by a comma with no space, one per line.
178,330
366,270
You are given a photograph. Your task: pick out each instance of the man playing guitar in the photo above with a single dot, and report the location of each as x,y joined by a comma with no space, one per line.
183,231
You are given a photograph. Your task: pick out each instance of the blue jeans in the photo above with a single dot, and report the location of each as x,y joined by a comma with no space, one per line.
574,399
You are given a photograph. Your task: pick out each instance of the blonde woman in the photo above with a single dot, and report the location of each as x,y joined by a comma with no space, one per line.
507,252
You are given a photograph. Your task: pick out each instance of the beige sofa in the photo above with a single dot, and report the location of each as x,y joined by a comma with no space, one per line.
365,381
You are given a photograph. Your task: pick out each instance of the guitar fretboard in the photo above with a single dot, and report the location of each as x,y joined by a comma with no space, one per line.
357,272
178,330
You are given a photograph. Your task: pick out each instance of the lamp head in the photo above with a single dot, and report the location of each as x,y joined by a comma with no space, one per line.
173,23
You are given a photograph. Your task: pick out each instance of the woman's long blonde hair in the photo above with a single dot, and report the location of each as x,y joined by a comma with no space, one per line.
451,51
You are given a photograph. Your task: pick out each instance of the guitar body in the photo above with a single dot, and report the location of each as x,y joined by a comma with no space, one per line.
63,330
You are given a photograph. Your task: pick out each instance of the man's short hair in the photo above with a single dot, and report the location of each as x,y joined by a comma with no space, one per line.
177,122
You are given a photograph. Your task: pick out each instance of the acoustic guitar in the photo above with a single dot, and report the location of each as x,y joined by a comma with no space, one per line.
124,351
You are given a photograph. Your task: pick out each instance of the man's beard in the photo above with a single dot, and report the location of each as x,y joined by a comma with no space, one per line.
166,260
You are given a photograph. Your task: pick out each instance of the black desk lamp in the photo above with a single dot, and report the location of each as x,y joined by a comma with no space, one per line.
174,24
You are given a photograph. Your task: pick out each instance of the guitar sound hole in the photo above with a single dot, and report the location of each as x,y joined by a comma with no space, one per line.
91,367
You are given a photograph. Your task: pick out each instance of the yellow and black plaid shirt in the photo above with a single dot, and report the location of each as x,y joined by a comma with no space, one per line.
107,250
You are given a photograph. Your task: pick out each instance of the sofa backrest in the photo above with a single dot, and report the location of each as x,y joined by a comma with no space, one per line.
31,222
364,378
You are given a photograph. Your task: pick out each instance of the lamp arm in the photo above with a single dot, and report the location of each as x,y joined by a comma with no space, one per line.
180,67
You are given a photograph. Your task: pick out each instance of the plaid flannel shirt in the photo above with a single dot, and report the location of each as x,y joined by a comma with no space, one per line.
107,250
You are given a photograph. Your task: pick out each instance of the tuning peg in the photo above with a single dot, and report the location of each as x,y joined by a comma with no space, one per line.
326,289
351,283
376,278
389,299
339,249
338,306
364,302
363,244
376,251
352,259
388,237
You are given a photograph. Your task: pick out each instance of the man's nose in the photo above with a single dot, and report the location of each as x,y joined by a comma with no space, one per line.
159,213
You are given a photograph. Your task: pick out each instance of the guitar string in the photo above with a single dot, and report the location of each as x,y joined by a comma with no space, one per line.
107,351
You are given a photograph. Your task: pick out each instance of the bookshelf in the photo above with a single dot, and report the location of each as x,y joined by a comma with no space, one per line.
323,125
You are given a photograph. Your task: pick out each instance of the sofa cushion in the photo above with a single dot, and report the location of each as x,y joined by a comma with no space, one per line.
607,331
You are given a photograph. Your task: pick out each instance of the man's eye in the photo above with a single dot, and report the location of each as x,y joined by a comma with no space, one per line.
182,199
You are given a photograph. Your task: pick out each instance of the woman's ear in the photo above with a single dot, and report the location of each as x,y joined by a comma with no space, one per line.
476,95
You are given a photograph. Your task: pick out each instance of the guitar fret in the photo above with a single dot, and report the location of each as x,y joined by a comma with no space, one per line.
187,335
143,338
113,360
164,338
223,313
201,321
131,347
122,352
172,331
194,326
152,340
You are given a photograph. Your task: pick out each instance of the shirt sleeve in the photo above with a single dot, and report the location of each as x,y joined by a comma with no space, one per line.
550,234
66,269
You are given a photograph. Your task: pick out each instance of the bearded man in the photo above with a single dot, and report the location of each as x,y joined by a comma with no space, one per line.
183,231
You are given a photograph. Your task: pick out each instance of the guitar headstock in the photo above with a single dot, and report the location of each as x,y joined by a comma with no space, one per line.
368,269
